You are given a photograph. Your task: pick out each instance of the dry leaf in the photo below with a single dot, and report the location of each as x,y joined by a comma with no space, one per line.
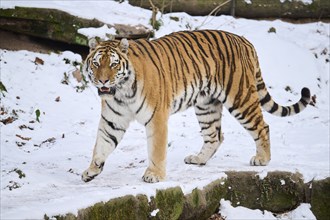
25,127
58,98
313,100
77,75
49,141
38,61
20,144
23,138
8,120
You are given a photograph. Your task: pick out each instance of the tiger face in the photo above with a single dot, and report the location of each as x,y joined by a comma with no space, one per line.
107,66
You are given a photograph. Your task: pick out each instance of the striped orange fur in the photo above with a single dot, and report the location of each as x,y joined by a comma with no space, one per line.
148,81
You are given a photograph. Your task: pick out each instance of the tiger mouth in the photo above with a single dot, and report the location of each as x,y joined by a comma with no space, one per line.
106,91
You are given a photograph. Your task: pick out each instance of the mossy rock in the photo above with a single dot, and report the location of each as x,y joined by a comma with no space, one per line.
214,192
127,207
170,203
277,192
46,23
320,199
194,205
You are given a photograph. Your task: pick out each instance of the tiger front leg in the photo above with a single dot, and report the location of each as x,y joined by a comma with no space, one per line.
103,147
157,143
108,136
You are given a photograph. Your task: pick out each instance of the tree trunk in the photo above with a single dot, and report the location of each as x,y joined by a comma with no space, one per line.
318,9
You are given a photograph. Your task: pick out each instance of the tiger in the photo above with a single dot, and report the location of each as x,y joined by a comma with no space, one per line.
149,80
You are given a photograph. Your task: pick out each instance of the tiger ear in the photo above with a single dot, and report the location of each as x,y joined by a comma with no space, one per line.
123,45
92,43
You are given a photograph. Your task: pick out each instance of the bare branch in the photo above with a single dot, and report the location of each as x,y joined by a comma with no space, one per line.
214,11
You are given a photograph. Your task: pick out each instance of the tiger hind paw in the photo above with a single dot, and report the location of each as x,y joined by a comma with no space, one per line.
194,159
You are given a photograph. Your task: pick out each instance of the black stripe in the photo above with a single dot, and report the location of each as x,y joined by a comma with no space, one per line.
113,138
296,108
173,47
134,89
211,142
209,122
112,125
145,124
274,108
260,86
247,111
284,111
265,99
238,96
164,47
134,52
118,101
192,48
114,111
225,47
201,48
139,109
202,108
191,94
250,119
304,102
206,113
180,105
147,53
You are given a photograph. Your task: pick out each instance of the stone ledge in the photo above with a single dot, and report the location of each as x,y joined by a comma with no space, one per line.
278,192
60,26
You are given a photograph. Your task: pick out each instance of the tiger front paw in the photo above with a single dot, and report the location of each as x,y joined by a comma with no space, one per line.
88,176
152,176
92,172
259,161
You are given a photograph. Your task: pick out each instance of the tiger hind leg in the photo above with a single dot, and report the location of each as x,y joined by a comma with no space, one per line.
250,117
209,118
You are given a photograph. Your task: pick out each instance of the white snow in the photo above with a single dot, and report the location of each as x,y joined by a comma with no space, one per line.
103,32
154,212
294,56
306,2
227,211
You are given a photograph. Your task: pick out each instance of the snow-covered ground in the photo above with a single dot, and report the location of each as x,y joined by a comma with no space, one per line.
41,162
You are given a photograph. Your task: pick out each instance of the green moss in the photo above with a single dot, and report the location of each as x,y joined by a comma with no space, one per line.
278,192
320,199
272,30
68,216
281,191
46,23
214,192
170,203
174,18
142,208
196,198
127,207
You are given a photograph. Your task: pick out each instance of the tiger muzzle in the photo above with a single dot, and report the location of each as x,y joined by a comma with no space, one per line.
106,91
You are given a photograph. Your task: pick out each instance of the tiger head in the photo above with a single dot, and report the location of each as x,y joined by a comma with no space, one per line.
107,65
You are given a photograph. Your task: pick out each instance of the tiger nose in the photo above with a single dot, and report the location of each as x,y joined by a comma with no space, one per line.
103,81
